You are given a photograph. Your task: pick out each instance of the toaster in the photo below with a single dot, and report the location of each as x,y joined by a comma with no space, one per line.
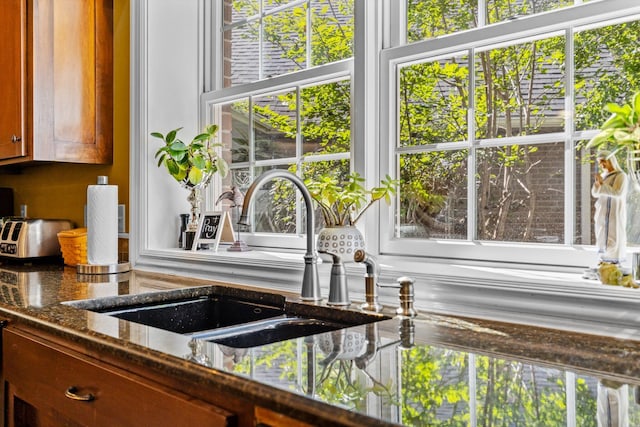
31,238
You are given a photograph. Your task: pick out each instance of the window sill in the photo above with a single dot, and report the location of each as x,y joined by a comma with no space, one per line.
555,298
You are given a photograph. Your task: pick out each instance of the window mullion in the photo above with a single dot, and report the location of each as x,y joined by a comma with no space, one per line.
300,227
260,43
308,32
569,127
472,216
482,13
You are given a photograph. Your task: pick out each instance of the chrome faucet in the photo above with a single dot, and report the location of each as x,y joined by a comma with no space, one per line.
310,283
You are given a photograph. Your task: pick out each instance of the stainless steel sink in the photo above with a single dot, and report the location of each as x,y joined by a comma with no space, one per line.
268,331
225,315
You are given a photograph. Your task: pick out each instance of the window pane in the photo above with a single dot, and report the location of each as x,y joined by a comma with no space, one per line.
431,18
240,178
501,10
234,130
433,100
607,65
275,128
521,193
585,167
339,169
238,10
433,195
326,118
285,39
274,205
241,48
268,5
520,89
331,30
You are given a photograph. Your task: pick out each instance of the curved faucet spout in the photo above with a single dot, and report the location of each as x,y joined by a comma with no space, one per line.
310,282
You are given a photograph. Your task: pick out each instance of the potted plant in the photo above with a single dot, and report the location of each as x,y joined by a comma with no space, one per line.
621,133
342,205
191,164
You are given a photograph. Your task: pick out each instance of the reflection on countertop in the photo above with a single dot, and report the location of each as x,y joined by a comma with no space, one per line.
424,371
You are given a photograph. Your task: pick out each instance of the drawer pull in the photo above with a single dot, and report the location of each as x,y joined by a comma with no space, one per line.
71,393
15,138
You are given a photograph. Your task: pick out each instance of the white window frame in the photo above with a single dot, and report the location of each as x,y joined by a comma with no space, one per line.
559,21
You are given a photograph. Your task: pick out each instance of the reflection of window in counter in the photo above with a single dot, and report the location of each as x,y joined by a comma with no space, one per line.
428,385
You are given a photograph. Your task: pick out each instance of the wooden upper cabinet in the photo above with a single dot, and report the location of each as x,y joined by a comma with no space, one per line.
12,78
60,56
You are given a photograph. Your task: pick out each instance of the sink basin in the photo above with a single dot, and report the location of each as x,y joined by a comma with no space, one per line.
233,317
193,315
268,331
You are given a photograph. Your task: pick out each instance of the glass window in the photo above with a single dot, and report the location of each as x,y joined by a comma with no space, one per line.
268,38
427,19
434,100
501,10
284,100
519,89
501,166
433,18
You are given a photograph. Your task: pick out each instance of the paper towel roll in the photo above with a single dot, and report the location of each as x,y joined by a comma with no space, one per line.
102,223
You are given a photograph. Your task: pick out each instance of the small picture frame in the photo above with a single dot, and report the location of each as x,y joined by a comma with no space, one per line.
213,227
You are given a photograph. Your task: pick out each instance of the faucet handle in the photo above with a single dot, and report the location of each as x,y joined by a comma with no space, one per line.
338,288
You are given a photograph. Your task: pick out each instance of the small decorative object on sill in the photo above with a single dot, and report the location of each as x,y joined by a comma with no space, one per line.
237,200
612,274
213,228
619,136
184,220
193,166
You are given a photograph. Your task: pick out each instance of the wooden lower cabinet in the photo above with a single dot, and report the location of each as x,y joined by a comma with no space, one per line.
47,384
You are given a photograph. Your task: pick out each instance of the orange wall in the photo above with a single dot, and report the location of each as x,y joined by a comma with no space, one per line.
60,190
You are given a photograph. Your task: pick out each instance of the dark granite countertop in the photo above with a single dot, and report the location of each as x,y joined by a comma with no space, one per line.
424,371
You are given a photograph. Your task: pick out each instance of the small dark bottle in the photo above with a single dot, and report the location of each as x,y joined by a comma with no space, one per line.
184,220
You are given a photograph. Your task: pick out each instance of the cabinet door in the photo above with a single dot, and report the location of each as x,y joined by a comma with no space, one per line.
13,22
48,384
73,80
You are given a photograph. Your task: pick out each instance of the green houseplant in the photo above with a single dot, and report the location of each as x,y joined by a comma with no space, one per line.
191,164
344,205
621,133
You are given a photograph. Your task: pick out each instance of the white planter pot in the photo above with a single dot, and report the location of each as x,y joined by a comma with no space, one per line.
342,241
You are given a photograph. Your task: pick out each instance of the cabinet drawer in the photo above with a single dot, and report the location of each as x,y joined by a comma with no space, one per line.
40,374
